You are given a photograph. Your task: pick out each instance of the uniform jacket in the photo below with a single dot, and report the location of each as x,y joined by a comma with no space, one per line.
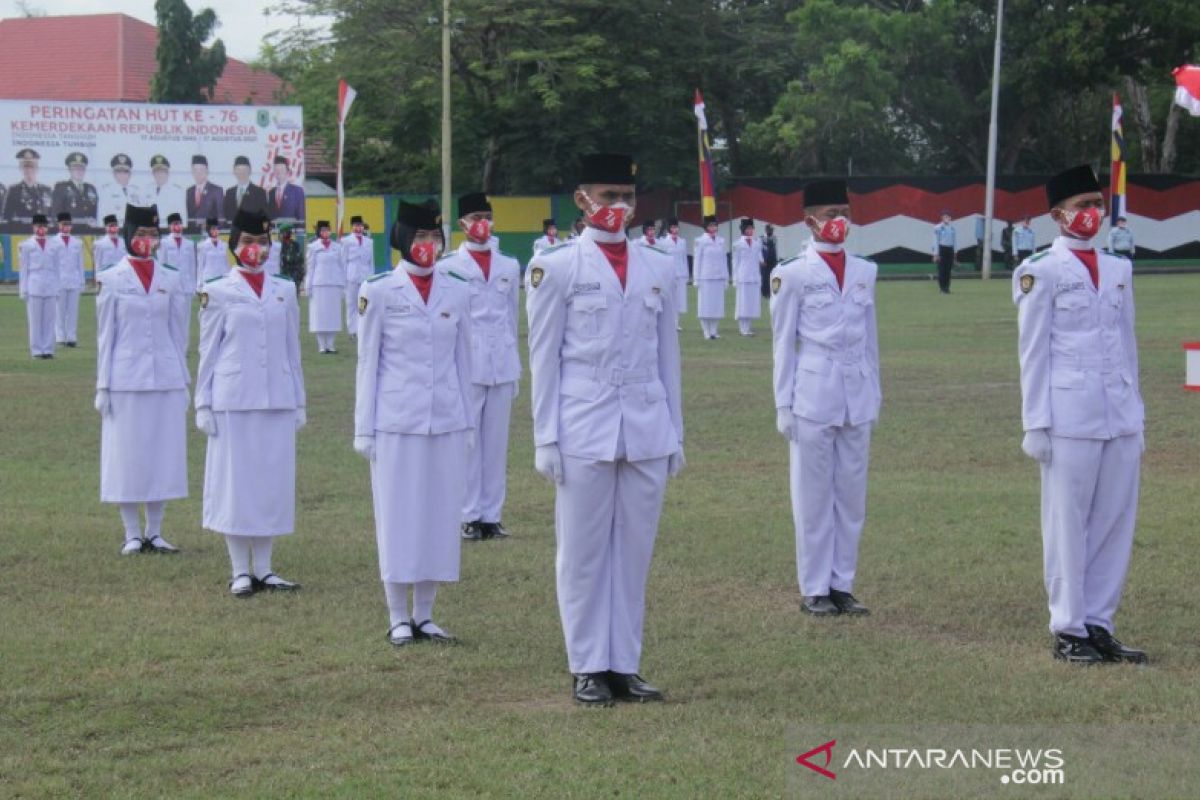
495,357
113,199
209,206
825,340
543,241
212,260
414,359
80,201
37,267
254,197
68,258
1121,239
944,235
292,205
249,346
106,252
1024,239
182,256
678,250
168,199
1079,360
708,259
140,342
358,258
604,361
325,267
747,260
23,201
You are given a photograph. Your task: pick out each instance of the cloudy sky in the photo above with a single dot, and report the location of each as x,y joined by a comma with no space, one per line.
243,22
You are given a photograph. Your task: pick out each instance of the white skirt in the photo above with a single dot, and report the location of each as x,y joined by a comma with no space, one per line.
325,309
681,295
143,447
417,484
749,301
250,474
710,299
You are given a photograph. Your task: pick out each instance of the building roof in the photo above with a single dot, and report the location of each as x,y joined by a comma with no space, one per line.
103,57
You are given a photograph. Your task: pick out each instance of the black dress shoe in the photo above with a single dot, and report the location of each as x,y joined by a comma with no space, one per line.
591,689
1076,650
72,344
472,531
266,584
244,590
494,530
846,604
819,606
437,637
1111,649
398,637
157,544
632,689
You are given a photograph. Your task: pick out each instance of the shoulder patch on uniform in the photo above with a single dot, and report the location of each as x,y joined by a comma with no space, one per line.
535,276
378,276
168,266
776,284
362,306
210,280
1027,282
454,274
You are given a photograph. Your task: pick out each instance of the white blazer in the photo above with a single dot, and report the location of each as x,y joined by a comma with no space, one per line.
709,262
106,252
495,357
182,256
747,260
678,250
37,274
69,261
139,334
212,260
358,259
324,266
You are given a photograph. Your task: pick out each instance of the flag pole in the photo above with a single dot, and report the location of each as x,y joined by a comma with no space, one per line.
990,198
446,127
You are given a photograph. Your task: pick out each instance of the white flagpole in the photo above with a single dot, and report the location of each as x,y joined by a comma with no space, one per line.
990,198
446,127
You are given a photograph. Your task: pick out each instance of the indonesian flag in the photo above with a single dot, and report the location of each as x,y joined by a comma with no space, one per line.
1116,185
346,95
708,200
1187,89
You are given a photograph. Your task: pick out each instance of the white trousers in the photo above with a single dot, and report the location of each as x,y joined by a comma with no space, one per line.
41,312
1089,510
352,314
829,503
66,318
605,520
487,462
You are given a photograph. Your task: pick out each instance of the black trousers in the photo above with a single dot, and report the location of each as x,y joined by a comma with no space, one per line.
1124,254
944,264
1022,255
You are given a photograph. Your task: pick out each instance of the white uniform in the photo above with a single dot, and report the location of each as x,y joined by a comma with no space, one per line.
38,286
250,376
605,366
107,251
1079,383
358,262
272,267
212,260
169,199
747,278
712,276
676,246
412,394
141,361
826,349
325,282
544,241
180,252
68,256
495,370
113,199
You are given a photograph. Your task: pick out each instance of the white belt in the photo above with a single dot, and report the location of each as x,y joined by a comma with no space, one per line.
614,376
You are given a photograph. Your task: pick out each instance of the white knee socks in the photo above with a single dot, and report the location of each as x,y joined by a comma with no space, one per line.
239,554
397,602
131,520
154,518
261,548
423,595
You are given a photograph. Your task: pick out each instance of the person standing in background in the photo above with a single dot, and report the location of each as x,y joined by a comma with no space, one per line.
37,275
747,276
326,285
770,253
68,257
108,249
179,252
711,274
212,257
358,262
1120,240
291,256
1024,241
945,241
549,237
676,247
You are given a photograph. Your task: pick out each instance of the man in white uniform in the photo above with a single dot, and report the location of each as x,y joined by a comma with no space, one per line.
1082,411
179,252
608,425
647,239
325,284
495,364
68,258
676,246
358,261
747,277
549,237
712,276
827,396
108,249
212,255
38,287
116,195
168,197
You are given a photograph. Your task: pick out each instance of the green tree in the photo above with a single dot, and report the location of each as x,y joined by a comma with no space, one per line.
187,71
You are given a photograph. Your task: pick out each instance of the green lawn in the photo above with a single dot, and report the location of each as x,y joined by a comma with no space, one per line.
143,678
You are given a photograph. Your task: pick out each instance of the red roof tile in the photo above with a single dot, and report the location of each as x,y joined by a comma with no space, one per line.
104,57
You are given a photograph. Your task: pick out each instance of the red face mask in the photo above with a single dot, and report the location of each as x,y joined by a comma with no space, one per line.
480,231
1084,223
423,253
176,228
833,231
251,255
608,218
112,230
324,234
141,246
40,231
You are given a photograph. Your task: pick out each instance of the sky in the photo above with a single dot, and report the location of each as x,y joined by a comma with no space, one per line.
242,22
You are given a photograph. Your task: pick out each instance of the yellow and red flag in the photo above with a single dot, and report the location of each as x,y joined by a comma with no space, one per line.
708,198
1116,181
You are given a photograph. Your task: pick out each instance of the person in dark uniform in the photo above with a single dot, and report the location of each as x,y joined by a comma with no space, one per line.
203,198
243,193
76,196
770,254
291,255
27,198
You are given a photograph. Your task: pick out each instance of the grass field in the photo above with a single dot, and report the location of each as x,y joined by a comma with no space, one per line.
143,678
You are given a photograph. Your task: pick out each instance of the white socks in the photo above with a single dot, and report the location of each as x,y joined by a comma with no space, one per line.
154,518
744,327
423,594
244,548
260,547
325,341
397,602
239,554
131,520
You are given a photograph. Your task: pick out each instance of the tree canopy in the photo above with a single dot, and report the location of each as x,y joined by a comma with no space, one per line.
187,71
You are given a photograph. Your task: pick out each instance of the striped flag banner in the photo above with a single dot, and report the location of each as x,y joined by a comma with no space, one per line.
346,95
1116,181
1187,88
708,199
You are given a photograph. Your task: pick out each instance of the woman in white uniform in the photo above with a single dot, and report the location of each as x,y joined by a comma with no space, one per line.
141,385
411,420
250,403
676,245
711,276
747,277
325,283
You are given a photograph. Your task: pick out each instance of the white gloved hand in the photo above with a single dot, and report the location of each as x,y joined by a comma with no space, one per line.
301,417
1036,445
785,423
548,461
205,421
103,402
676,462
365,447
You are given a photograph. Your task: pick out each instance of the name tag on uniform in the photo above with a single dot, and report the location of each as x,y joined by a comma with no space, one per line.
1077,286
399,309
809,288
587,288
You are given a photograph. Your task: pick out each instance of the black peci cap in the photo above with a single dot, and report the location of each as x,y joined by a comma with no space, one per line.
141,216
40,219
64,216
174,217
831,192
607,168
647,225
211,222
356,220
411,218
253,221
711,219
547,224
473,203
1077,180
241,161
321,223
110,219
747,222
200,160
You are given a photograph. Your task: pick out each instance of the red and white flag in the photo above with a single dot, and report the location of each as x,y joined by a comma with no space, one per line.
346,95
1187,88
